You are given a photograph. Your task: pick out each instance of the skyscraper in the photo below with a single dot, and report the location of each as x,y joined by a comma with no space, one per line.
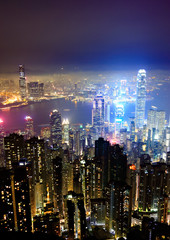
14,149
22,82
156,120
29,128
98,115
56,128
65,127
140,98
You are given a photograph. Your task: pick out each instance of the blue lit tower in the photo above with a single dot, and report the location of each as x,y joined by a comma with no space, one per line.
98,115
56,128
140,99
22,82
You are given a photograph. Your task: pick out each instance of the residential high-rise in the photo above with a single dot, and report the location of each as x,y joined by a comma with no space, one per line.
75,215
14,149
56,128
22,82
98,115
153,188
140,99
15,214
35,154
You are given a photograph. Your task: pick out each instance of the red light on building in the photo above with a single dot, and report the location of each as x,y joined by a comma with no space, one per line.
132,167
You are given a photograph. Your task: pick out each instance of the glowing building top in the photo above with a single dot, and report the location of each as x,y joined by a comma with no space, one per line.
56,128
65,121
27,118
29,128
98,115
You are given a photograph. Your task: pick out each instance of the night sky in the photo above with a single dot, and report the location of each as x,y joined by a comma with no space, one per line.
121,34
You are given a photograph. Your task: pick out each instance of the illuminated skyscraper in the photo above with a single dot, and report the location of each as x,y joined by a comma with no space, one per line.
98,115
156,120
29,128
119,114
56,128
140,98
22,82
46,133
65,128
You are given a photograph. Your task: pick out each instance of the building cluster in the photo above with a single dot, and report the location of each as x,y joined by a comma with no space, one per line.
76,181
29,90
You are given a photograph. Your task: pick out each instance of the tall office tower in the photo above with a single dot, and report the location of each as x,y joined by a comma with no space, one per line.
56,128
29,128
14,149
15,214
156,120
98,116
140,98
35,154
160,118
107,112
77,144
132,130
119,114
22,82
151,120
154,188
123,137
123,87
75,216
65,130
167,134
71,143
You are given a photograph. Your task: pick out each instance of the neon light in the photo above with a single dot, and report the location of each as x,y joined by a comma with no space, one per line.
28,118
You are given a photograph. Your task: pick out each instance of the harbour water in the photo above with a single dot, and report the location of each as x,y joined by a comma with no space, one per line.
80,112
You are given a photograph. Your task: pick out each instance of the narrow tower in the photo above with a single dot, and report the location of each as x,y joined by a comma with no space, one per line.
140,99
22,81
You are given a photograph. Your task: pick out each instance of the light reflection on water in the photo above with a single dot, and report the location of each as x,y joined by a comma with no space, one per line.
81,112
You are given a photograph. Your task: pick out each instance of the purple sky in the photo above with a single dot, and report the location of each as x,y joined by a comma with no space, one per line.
121,33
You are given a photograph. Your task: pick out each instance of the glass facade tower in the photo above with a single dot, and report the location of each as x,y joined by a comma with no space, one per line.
140,99
22,82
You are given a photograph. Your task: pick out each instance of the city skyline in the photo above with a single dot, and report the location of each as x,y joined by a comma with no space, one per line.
85,120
